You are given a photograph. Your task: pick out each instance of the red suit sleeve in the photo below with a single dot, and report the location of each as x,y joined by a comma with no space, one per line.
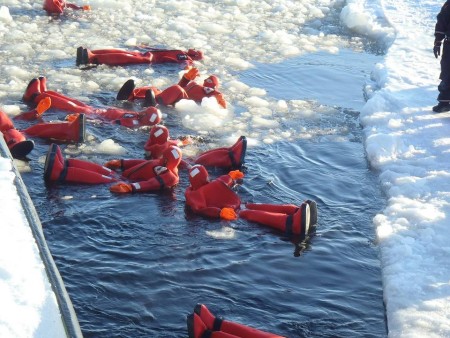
220,100
183,82
209,212
131,163
73,6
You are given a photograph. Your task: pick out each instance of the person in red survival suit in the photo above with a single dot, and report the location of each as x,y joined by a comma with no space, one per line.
216,199
58,6
16,141
186,88
202,323
212,198
147,176
119,57
37,90
158,141
224,157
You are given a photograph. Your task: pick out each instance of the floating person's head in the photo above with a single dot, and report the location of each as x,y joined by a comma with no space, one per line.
210,84
172,157
198,176
195,55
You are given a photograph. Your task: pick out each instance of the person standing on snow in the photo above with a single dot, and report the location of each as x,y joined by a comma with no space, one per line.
441,33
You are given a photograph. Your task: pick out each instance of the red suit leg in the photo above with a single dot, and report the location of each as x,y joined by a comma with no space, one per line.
197,329
139,93
42,84
17,143
60,101
57,169
117,57
74,131
231,157
33,90
288,209
5,122
235,329
89,166
171,95
292,223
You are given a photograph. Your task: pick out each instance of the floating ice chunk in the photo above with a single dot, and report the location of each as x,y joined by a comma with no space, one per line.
238,63
224,233
4,15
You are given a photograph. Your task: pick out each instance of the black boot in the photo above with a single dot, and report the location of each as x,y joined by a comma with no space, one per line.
79,56
441,107
126,90
150,99
84,57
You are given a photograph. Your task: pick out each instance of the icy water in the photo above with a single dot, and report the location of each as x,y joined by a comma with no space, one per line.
136,265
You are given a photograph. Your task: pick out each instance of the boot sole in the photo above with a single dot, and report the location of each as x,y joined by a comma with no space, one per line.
49,162
79,56
82,132
126,90
306,219
22,149
312,212
238,165
150,99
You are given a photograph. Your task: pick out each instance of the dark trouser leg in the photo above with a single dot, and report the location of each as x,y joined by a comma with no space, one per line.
444,86
444,91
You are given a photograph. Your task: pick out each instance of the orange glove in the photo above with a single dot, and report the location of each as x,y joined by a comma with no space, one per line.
228,214
191,74
121,188
71,117
43,105
113,164
236,174
86,8
185,141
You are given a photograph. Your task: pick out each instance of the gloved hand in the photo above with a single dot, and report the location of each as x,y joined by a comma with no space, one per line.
437,50
191,74
228,214
121,188
43,105
236,174
184,141
72,117
113,164
86,8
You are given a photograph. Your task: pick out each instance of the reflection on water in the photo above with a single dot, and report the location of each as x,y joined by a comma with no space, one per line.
330,79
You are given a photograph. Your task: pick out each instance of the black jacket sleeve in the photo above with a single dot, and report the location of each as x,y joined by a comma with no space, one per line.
442,28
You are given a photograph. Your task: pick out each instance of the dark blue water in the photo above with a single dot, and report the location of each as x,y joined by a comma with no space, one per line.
136,265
